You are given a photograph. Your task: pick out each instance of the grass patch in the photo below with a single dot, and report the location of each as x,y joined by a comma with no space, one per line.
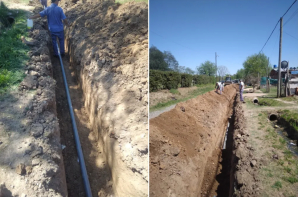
174,91
291,179
199,91
277,185
13,53
270,102
272,93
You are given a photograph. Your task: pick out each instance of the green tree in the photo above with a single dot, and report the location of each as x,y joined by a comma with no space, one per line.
156,60
207,68
239,74
256,65
189,71
171,61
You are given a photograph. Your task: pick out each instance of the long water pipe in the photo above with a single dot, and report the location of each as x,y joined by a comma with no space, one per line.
75,131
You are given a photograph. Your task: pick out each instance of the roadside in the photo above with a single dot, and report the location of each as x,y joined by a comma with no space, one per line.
278,167
30,150
164,100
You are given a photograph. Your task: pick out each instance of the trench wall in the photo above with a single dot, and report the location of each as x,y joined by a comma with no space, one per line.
108,47
184,140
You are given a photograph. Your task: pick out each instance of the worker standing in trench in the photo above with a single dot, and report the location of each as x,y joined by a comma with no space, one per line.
56,17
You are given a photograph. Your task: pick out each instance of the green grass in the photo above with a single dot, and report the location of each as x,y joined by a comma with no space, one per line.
272,93
13,53
270,102
200,90
174,91
277,185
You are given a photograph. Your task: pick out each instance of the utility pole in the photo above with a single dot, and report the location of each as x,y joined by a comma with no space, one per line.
216,65
267,78
279,61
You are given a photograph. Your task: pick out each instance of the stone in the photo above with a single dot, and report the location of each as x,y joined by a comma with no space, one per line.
29,82
175,151
29,169
34,73
35,162
36,130
253,163
23,195
20,169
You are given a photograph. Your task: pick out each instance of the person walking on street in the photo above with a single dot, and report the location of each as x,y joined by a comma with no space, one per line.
55,18
241,88
219,86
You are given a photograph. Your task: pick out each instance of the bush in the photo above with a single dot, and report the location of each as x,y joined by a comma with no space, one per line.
172,80
186,80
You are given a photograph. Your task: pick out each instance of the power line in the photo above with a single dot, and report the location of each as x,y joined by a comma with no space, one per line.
289,8
276,26
269,37
290,35
291,17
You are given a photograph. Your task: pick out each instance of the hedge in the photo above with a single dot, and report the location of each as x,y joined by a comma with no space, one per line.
159,80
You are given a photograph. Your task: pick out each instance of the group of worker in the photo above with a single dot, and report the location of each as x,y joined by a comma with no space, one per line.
55,17
219,86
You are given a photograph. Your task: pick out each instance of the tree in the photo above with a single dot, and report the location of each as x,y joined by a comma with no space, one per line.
222,71
255,66
171,61
156,60
239,74
189,71
207,68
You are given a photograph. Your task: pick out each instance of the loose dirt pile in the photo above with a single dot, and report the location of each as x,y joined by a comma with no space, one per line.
185,144
108,48
30,149
244,164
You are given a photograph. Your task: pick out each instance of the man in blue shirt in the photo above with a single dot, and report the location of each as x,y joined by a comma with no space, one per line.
55,17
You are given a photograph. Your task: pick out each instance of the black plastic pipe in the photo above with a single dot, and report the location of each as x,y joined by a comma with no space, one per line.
76,134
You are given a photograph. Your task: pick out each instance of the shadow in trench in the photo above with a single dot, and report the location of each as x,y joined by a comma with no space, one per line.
224,178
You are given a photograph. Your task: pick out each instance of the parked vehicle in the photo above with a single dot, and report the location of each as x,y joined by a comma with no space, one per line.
228,81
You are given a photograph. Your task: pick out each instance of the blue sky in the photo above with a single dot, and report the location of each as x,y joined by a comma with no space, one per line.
193,30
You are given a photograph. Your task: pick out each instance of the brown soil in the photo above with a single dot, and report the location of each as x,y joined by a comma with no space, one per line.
109,62
30,149
185,145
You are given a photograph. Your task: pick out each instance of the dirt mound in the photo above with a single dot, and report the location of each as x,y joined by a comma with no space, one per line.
186,142
245,165
108,48
30,149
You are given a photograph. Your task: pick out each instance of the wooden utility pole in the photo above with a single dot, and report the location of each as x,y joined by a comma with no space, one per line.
279,61
287,86
216,66
267,78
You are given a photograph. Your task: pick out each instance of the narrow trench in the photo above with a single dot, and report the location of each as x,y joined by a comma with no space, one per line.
223,180
72,167
97,168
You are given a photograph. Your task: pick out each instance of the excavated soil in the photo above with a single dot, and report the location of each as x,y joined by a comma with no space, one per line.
185,144
30,150
107,45
186,155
